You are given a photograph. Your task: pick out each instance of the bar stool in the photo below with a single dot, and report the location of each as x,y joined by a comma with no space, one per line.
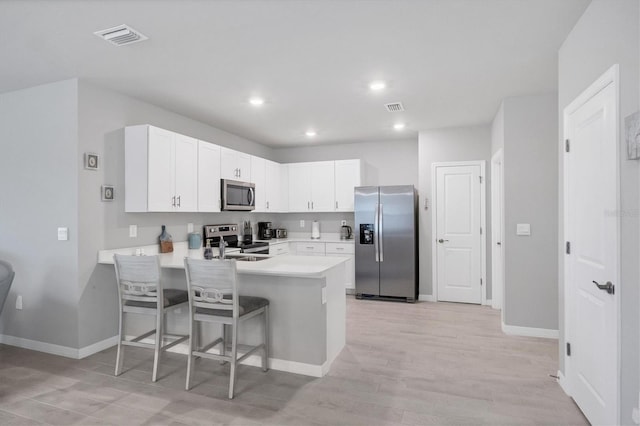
213,298
6,278
140,292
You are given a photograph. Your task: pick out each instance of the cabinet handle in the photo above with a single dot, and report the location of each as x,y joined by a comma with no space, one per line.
336,204
173,201
339,248
178,201
312,205
309,248
308,204
267,205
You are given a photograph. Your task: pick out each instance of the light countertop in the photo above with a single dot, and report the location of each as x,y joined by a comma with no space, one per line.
294,237
284,265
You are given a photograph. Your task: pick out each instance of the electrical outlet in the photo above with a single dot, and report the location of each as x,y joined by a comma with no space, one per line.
63,234
343,222
189,227
302,224
133,231
19,302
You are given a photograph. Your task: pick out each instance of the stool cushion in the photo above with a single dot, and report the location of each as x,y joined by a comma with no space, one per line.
171,297
247,304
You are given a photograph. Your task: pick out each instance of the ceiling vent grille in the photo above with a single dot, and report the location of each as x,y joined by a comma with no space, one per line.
394,107
121,35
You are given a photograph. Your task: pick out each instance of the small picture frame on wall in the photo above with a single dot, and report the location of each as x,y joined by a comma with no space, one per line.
91,161
108,193
632,133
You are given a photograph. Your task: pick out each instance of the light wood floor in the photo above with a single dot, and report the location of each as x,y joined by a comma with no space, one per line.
422,364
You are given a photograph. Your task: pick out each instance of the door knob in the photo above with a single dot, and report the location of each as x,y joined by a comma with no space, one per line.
499,243
608,287
442,241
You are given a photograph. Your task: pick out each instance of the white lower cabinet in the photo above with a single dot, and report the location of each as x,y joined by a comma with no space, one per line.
278,248
308,248
345,250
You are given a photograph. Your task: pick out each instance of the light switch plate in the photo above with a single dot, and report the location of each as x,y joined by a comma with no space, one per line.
523,229
189,227
302,224
63,234
133,231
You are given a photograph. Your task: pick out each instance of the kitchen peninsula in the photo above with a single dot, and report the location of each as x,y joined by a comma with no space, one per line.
307,304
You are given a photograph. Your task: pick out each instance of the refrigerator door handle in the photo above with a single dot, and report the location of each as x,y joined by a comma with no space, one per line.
380,226
376,232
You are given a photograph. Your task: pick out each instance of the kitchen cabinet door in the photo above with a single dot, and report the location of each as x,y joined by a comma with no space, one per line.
235,165
208,177
258,177
322,186
300,187
186,173
161,170
348,177
273,186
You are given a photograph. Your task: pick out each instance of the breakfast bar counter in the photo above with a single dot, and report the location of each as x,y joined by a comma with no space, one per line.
307,303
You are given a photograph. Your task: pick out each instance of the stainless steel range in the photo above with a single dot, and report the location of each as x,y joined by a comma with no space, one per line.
229,233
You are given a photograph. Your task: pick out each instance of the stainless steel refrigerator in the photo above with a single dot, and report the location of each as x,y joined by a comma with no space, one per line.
386,242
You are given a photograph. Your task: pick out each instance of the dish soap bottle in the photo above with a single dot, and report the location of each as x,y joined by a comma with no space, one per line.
208,252
166,242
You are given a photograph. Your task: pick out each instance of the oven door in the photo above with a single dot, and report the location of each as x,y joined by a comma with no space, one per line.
237,196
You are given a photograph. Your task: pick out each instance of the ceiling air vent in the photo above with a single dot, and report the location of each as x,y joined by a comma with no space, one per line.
394,107
121,35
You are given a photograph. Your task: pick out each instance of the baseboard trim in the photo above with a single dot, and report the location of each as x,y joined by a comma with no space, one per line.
50,348
562,382
36,345
97,347
515,330
256,361
426,298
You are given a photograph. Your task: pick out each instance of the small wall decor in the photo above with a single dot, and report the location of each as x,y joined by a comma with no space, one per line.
632,131
108,193
91,161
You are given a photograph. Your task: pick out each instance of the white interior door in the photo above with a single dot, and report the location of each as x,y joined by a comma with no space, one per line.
591,228
497,229
458,238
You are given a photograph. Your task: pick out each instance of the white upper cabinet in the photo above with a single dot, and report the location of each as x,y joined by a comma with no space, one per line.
348,177
235,165
258,178
161,170
208,177
275,187
311,187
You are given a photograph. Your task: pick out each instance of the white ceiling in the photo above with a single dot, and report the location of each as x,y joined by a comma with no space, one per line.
450,62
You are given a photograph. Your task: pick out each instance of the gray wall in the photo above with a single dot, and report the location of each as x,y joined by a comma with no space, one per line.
530,129
39,163
497,130
607,34
452,144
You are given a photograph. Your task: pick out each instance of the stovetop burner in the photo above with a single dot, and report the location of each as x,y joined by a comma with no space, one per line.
229,233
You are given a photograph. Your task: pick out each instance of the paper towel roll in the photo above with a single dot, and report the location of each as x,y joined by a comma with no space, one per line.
315,230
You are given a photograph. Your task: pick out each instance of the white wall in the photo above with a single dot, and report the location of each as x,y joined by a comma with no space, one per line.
607,34
39,163
529,138
451,144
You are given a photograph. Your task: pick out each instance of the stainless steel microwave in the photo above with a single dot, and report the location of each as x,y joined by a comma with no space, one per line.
237,196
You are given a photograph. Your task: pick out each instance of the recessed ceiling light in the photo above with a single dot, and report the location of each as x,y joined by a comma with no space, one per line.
256,101
311,133
377,85
398,126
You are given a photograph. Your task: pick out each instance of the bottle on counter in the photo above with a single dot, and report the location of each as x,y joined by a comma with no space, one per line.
166,242
208,252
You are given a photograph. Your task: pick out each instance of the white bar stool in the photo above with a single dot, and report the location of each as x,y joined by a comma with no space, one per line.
140,292
213,297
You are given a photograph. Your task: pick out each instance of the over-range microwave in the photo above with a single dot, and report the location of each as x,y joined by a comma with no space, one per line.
237,196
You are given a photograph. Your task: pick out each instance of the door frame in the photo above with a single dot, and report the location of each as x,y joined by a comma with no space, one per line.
483,224
611,76
497,223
